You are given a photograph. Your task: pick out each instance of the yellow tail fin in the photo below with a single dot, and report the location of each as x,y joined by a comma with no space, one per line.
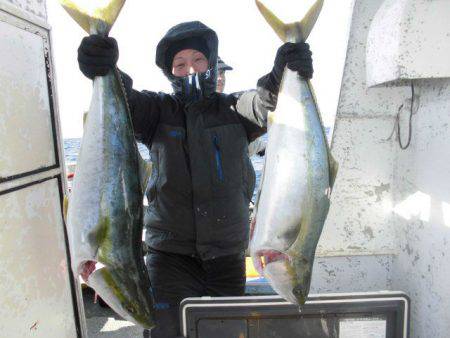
94,16
296,31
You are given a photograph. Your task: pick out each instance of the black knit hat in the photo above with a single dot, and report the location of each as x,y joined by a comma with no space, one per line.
195,42
208,45
184,31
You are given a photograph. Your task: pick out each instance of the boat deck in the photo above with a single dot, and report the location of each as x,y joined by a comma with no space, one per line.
103,322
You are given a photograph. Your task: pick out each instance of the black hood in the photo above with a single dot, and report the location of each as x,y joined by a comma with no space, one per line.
182,31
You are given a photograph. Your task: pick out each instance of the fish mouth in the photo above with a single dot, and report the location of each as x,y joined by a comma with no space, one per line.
86,268
262,258
278,268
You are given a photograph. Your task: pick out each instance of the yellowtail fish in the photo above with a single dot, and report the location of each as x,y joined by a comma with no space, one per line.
105,217
298,175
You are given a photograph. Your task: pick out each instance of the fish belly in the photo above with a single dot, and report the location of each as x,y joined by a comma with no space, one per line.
105,209
293,201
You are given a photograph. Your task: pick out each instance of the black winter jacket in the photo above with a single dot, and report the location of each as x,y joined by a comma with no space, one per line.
202,179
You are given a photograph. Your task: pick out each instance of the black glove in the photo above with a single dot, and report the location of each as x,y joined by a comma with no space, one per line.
97,55
297,57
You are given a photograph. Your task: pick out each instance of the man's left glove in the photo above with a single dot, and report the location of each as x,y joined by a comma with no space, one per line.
297,57
97,55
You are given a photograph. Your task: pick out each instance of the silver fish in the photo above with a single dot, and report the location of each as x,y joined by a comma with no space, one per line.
298,175
105,217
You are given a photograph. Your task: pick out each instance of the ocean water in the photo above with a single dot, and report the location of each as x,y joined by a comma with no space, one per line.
72,148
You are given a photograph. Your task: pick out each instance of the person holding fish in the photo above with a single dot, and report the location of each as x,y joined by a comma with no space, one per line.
202,180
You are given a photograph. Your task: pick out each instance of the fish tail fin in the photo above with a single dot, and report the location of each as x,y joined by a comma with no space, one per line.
296,31
94,16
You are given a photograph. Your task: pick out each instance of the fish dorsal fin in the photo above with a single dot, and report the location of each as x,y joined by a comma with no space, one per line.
333,165
296,31
94,15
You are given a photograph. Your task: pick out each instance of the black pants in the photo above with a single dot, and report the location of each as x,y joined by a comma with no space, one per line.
175,277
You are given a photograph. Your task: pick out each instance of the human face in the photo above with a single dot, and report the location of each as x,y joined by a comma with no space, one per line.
220,81
189,61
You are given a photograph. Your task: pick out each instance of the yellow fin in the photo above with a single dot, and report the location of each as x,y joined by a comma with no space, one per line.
296,31
65,207
85,114
145,171
334,167
278,26
92,12
309,20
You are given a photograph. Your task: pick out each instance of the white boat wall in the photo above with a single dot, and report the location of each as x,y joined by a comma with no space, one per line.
38,294
389,223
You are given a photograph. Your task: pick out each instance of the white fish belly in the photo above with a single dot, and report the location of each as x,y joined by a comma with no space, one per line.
84,204
296,172
279,211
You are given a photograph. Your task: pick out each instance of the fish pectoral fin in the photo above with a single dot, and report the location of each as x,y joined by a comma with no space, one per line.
85,13
65,207
85,115
334,166
296,31
145,170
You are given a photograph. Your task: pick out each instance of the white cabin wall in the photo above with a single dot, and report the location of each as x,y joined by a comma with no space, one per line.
358,242
39,295
389,224
422,194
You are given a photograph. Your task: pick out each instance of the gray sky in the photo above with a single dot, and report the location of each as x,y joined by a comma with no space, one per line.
246,42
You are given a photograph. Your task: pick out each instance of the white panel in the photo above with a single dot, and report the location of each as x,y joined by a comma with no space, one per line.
36,7
25,120
352,274
409,39
422,187
375,173
356,99
361,200
36,299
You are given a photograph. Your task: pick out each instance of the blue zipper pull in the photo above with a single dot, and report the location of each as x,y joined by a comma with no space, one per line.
218,157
